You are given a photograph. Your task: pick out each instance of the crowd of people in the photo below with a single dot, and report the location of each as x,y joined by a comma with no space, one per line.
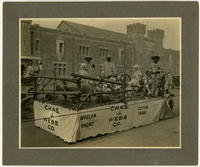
148,81
106,69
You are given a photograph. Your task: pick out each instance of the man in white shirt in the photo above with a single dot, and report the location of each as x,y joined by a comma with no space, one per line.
90,67
155,71
155,66
109,66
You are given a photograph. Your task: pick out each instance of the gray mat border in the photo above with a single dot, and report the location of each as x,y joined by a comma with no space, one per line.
12,11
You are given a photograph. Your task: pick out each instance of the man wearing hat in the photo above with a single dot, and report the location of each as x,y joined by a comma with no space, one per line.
155,71
101,70
109,66
90,67
155,66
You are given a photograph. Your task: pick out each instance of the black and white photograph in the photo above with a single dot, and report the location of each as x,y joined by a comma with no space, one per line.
100,82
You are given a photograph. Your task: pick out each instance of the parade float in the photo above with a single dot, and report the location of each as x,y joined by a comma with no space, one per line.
63,107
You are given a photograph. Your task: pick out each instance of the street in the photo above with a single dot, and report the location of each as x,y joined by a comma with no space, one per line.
165,133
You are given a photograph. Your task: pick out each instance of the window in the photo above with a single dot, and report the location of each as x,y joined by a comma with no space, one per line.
84,50
37,43
87,50
103,52
80,50
60,47
121,54
60,68
170,60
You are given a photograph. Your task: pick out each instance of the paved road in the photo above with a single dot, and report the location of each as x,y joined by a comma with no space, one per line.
165,133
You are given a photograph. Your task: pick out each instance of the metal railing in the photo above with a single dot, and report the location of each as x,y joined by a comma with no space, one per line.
80,98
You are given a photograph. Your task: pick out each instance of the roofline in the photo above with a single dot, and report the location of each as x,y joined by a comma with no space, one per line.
65,33
67,22
59,24
92,27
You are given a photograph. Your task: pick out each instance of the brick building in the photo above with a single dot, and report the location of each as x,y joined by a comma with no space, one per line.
62,49
172,61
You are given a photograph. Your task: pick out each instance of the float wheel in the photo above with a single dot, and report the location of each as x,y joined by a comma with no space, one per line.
125,77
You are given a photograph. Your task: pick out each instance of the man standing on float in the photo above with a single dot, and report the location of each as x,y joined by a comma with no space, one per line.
90,67
155,73
109,66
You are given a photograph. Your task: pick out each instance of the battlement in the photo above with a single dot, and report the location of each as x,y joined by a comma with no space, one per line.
26,37
136,28
156,34
26,23
35,26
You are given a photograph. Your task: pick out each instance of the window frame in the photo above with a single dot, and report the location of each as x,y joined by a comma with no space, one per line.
104,51
37,45
84,50
121,54
58,42
59,68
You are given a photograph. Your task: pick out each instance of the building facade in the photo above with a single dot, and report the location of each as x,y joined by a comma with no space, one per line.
62,49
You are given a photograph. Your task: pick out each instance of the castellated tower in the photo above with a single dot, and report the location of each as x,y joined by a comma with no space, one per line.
156,35
26,38
136,31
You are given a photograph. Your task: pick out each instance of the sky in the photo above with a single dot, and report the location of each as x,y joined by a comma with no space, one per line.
171,26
